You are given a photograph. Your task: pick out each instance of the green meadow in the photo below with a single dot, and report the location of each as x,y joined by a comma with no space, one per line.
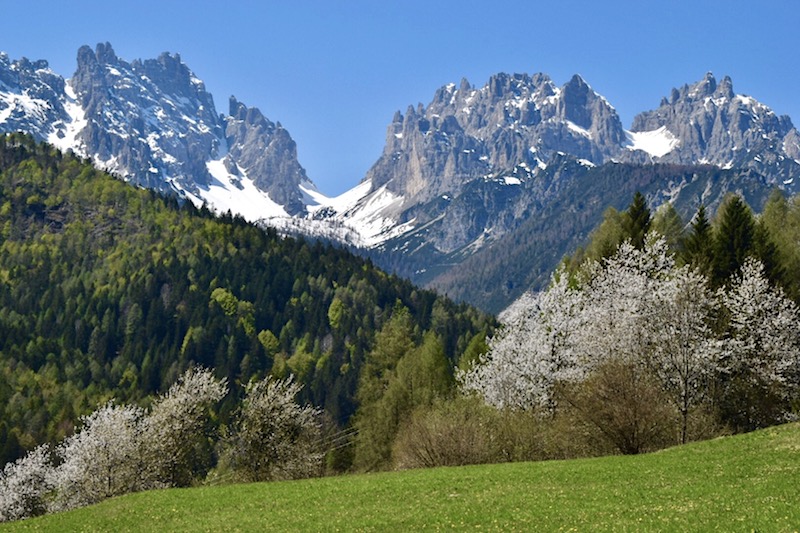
748,482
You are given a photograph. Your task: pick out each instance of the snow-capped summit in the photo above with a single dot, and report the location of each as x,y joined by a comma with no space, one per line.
153,123
709,123
458,176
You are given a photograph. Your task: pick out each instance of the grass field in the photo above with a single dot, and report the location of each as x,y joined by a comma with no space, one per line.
744,483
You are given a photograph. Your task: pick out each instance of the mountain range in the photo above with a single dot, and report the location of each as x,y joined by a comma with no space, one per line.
517,171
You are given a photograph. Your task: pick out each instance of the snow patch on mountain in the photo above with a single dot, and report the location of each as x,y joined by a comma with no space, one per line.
21,104
373,216
237,194
65,133
656,143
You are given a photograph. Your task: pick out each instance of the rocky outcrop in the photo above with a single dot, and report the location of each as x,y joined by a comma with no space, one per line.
151,122
266,152
714,125
31,97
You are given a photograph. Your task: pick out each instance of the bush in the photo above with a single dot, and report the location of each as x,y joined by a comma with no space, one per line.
274,437
449,433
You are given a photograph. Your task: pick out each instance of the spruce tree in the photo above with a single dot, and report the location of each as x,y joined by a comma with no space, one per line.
637,221
735,238
698,250
765,249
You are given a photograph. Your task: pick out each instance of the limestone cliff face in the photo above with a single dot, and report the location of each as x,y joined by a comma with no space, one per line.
151,122
266,152
467,133
714,125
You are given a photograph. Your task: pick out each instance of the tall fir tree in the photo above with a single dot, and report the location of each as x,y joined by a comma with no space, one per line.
734,238
767,252
698,250
637,221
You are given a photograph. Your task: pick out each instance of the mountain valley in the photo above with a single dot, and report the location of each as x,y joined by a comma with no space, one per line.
475,173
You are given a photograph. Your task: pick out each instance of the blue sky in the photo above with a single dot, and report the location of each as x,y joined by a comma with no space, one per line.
334,72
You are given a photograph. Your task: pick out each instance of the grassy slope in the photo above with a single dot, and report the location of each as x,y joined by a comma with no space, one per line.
742,483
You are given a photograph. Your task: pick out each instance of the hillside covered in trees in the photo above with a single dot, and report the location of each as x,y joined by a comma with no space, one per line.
656,333
107,291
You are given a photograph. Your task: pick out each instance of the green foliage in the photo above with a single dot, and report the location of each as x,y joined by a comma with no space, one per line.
400,375
698,249
781,221
636,222
733,238
615,228
603,242
718,249
667,222
111,291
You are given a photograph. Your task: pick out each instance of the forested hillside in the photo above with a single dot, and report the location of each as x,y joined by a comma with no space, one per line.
496,275
107,290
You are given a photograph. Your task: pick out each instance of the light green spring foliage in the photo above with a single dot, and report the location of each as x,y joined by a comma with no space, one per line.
399,375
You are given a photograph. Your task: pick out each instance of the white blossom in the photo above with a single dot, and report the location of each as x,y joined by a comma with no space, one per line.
764,333
102,459
533,351
636,307
25,485
176,427
274,436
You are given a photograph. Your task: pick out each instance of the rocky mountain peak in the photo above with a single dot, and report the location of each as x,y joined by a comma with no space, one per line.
152,122
710,123
704,87
31,96
580,105
105,54
267,154
725,88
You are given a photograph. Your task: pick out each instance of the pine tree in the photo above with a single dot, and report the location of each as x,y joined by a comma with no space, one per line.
734,239
698,249
637,221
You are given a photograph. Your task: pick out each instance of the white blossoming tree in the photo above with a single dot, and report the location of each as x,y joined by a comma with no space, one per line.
760,349
25,485
177,439
534,350
274,437
636,315
101,460
685,352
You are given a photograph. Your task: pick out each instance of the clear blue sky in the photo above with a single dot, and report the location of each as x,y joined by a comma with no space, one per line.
333,72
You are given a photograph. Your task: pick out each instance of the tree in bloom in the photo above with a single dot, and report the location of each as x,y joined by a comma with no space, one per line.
274,437
101,460
760,350
534,350
25,485
685,351
177,433
633,330
118,449
638,342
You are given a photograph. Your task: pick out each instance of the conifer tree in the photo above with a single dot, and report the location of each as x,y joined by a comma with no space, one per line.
637,222
734,238
698,249
765,249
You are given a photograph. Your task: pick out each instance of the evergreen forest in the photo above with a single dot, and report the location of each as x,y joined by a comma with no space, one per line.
110,291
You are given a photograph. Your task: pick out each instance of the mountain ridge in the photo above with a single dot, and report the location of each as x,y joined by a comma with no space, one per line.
455,176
